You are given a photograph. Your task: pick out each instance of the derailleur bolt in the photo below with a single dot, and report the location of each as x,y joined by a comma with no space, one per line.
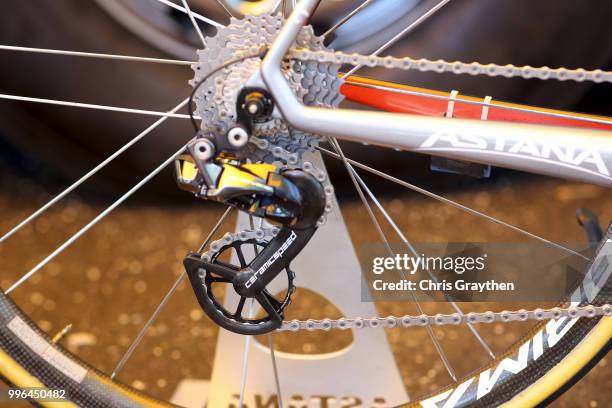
238,137
255,104
258,105
254,107
204,149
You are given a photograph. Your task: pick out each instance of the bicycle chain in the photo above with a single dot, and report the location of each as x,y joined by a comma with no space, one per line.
259,234
423,320
456,67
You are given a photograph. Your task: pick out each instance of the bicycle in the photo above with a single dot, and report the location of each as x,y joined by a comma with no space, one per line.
261,119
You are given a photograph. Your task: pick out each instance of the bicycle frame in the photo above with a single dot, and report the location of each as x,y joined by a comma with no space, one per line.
571,153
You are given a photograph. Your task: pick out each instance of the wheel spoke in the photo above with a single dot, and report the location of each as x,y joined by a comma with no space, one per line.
414,253
136,342
346,18
80,181
146,326
226,214
222,4
432,336
94,55
275,370
194,22
401,34
245,361
283,4
93,106
483,104
93,222
453,203
195,15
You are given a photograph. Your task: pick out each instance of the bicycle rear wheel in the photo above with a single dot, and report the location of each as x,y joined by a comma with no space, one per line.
556,353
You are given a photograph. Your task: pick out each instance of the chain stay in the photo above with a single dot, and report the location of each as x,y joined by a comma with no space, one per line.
456,67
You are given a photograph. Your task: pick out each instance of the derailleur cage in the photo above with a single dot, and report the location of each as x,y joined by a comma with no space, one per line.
250,280
204,275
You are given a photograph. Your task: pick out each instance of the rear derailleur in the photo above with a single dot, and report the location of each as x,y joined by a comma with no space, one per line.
290,198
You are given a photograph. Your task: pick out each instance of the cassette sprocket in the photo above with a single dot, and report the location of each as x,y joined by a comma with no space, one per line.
314,83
